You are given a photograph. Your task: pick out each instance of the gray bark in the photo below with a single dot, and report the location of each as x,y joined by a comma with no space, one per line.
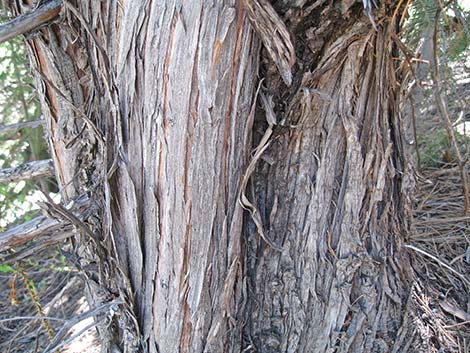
57,224
28,171
332,193
5,129
165,166
150,108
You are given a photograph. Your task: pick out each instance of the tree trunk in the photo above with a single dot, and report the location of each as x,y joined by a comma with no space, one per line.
150,109
332,193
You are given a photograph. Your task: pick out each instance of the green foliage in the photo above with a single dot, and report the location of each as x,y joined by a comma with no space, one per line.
458,44
56,263
60,264
6,269
17,104
422,13
453,26
436,149
432,148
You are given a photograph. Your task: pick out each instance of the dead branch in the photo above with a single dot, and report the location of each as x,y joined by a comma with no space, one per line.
22,233
44,229
25,124
30,21
32,170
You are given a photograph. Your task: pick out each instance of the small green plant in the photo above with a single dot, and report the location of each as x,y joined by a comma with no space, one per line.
436,149
432,148
6,269
34,296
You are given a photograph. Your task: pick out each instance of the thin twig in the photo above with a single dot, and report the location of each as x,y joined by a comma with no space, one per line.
445,116
415,135
439,261
71,338
32,317
54,344
457,324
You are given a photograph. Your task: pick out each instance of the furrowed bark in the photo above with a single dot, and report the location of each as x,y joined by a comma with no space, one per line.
148,109
154,122
28,171
176,217
332,193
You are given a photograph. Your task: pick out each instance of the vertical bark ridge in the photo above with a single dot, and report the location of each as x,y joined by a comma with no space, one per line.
170,93
331,192
156,128
180,163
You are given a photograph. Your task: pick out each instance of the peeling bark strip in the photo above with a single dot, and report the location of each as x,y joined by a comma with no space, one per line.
333,196
30,21
147,106
274,34
257,153
28,171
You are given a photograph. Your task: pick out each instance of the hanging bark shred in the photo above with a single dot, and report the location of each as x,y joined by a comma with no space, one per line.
148,111
257,154
274,34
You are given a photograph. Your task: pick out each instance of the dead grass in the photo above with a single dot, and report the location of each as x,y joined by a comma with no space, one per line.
440,249
60,294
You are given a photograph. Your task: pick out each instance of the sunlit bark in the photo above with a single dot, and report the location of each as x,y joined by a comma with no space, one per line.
151,108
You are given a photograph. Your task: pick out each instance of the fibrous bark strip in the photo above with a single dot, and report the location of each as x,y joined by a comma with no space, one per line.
148,107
